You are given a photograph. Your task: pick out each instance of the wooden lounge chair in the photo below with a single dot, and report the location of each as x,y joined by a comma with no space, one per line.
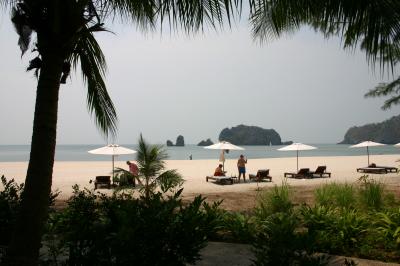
320,172
302,173
102,180
372,170
262,174
389,169
220,179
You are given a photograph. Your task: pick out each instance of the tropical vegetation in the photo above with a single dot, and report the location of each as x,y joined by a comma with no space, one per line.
64,39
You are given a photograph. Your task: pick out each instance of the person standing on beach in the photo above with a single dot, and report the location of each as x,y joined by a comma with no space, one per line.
241,164
134,170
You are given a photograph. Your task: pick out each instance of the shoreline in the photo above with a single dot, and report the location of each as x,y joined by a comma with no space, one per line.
343,169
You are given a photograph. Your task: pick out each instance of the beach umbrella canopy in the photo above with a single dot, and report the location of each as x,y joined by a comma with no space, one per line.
223,145
367,144
297,147
113,150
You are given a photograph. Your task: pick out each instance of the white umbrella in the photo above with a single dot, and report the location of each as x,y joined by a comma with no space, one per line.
297,147
223,145
367,144
113,150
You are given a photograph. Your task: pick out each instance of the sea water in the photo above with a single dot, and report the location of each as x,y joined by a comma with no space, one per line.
18,153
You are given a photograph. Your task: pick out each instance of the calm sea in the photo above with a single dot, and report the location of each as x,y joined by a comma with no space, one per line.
17,153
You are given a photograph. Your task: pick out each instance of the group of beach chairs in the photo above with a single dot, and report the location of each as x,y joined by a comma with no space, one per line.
263,175
303,173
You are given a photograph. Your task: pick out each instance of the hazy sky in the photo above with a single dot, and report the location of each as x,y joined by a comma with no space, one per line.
305,87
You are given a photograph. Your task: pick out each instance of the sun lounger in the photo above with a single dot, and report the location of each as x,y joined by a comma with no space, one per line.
320,172
372,170
302,173
262,174
389,169
220,179
102,180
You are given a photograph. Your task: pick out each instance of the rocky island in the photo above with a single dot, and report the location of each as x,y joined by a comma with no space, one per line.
180,142
207,142
250,135
387,132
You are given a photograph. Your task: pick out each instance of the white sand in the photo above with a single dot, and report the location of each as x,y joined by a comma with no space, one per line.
343,169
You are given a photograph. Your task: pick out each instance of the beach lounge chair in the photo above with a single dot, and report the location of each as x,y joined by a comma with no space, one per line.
220,179
372,170
102,180
262,174
389,169
320,172
302,173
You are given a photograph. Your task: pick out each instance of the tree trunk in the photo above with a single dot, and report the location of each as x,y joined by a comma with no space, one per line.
26,241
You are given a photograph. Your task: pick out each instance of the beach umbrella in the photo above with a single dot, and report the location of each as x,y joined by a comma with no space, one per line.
223,146
367,144
297,147
113,150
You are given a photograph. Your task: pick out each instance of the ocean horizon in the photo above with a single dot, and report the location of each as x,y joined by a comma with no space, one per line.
77,152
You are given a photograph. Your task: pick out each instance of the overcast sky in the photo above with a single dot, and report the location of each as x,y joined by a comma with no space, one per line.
305,87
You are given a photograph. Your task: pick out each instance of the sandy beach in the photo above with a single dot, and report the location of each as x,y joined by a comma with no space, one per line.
343,169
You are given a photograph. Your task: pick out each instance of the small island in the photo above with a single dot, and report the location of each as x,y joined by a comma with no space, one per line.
180,142
250,135
207,142
387,132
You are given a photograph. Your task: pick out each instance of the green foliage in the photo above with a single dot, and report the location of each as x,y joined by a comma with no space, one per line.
151,164
10,198
388,224
333,194
239,226
122,230
273,201
371,193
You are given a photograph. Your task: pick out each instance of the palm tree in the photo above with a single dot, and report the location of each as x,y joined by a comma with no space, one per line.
64,31
151,164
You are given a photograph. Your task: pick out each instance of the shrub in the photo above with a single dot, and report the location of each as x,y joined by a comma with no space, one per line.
10,198
122,230
240,227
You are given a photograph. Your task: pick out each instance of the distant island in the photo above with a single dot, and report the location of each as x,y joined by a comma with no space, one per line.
180,142
387,132
250,135
207,142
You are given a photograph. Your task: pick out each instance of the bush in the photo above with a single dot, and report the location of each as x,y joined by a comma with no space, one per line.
122,230
10,198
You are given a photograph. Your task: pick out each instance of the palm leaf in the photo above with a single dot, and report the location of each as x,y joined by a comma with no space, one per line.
372,24
93,67
385,89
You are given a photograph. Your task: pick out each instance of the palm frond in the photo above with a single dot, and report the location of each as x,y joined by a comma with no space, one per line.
193,15
140,12
372,24
385,89
169,179
93,66
19,18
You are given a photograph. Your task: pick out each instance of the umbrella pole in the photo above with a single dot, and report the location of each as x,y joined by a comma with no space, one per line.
297,152
368,155
113,169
